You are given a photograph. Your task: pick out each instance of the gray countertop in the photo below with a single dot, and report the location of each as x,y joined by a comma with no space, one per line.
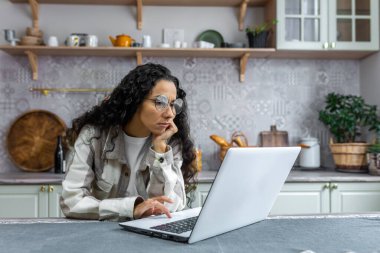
296,175
320,234
319,175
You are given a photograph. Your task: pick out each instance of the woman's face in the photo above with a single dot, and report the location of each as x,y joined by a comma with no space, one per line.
148,118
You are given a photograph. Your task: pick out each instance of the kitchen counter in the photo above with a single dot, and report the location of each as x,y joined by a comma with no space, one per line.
31,178
296,175
293,234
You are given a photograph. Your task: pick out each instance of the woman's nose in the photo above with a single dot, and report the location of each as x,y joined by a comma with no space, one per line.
169,112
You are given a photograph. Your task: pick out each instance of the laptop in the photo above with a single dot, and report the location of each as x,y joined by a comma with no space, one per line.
243,192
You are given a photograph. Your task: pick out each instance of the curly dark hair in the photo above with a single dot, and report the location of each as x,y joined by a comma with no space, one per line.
122,104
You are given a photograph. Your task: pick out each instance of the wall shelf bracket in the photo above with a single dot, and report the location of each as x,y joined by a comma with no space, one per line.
34,6
139,58
242,13
139,14
33,61
243,66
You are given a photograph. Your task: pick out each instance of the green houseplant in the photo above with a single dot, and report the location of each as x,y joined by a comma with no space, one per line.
345,116
258,34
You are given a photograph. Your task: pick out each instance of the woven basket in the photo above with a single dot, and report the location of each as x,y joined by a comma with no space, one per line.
350,157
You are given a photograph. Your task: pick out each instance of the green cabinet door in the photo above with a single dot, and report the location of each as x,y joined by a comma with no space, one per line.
355,197
30,201
302,198
55,192
23,201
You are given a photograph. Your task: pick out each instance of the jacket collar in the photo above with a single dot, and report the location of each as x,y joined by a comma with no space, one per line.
114,146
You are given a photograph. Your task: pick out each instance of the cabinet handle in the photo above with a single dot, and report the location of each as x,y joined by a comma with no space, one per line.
326,186
334,186
43,188
332,45
51,188
325,45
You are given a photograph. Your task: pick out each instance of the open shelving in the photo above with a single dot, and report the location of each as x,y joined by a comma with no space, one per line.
34,51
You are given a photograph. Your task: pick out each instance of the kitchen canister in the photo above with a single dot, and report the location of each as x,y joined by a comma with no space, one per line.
310,153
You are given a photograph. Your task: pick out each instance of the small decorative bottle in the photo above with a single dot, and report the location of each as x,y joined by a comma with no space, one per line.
59,160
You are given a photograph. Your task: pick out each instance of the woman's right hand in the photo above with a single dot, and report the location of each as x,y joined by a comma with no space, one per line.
152,206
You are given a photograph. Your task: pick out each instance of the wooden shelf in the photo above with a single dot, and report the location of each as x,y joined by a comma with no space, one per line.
34,51
241,4
327,54
235,3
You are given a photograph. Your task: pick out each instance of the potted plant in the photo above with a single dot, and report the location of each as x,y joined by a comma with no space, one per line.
258,34
345,116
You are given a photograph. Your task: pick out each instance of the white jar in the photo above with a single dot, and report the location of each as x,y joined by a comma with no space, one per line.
310,153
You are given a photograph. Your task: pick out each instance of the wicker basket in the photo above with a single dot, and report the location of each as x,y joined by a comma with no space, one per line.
350,157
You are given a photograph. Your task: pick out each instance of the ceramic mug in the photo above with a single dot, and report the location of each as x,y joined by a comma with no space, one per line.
53,41
91,41
147,41
177,44
73,41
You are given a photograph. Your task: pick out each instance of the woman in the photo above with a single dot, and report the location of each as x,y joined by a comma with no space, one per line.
131,155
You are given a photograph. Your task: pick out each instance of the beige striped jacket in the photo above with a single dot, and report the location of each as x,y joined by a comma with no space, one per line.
97,177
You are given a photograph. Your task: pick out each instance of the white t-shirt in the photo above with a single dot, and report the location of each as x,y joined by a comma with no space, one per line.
133,147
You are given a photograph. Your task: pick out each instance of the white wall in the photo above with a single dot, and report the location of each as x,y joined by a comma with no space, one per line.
104,20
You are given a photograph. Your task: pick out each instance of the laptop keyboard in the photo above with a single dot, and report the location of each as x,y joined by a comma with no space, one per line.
178,227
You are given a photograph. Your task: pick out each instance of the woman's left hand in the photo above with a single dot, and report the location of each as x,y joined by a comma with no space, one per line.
152,206
160,141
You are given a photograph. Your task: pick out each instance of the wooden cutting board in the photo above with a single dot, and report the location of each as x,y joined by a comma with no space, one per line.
274,138
32,139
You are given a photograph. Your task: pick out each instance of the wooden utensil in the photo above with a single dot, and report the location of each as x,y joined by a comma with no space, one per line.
32,138
274,138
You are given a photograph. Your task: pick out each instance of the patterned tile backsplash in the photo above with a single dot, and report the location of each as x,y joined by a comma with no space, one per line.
288,93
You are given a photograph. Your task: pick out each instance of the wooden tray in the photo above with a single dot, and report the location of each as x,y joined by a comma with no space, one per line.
32,139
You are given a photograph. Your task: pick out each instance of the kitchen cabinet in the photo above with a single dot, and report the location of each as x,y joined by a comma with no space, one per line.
317,197
328,25
26,201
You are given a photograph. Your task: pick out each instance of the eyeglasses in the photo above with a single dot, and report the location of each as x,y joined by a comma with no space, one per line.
162,102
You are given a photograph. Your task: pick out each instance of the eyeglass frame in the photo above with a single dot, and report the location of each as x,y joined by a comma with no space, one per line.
171,105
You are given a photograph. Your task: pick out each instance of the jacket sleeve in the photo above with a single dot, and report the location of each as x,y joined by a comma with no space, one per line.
77,200
166,177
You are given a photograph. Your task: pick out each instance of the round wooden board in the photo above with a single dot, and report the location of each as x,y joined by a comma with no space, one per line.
32,139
